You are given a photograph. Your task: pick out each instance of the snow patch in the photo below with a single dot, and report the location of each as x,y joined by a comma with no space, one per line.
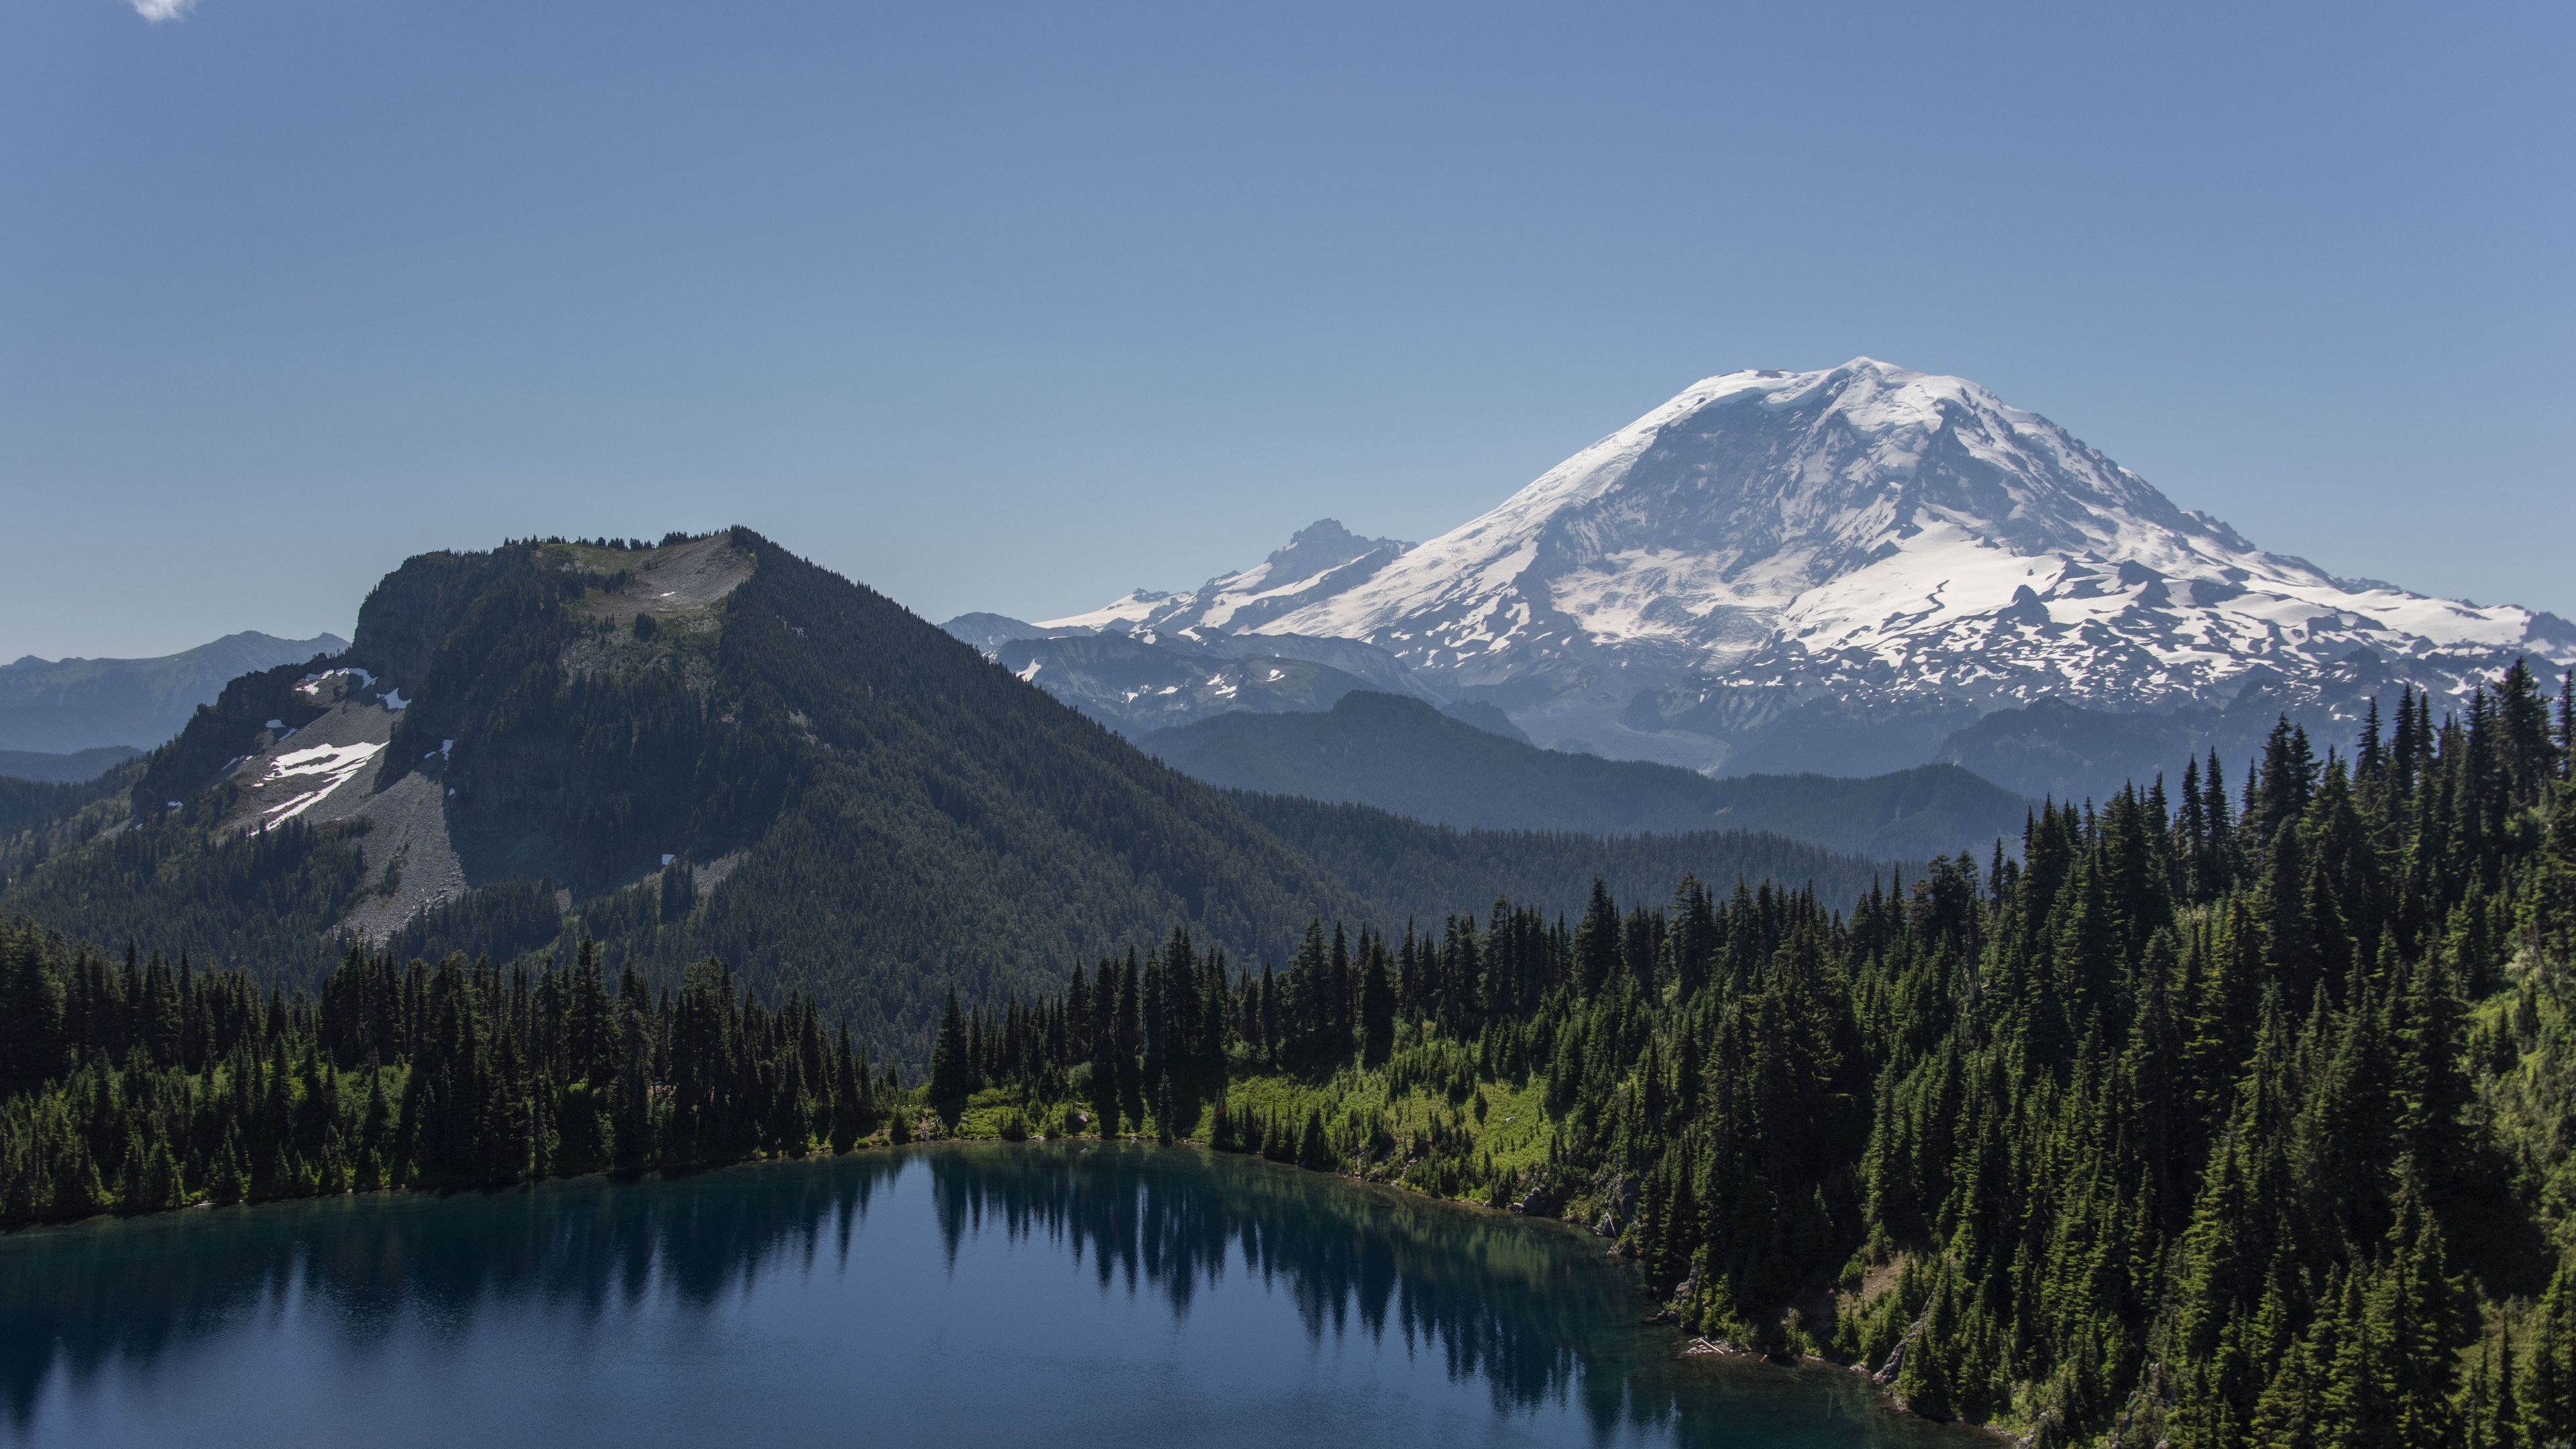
311,684
314,773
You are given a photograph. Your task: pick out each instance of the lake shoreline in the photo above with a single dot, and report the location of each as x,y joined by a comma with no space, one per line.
1722,1358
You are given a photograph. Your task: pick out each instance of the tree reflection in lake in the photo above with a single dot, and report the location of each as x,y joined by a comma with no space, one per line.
1512,1303
1048,1294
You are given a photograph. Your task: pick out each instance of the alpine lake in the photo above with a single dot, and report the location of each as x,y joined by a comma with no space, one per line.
1063,1295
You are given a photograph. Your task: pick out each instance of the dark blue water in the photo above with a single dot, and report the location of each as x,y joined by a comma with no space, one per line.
994,1296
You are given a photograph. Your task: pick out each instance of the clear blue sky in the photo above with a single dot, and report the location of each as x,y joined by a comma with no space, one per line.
1013,307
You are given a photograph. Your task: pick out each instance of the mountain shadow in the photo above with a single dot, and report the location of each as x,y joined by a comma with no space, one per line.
1403,756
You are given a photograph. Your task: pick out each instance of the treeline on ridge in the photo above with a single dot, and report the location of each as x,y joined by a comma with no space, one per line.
146,1085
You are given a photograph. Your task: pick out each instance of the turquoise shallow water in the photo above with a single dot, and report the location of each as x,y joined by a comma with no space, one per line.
988,1295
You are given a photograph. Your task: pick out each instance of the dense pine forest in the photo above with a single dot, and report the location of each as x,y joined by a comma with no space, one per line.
2213,1119
145,1085
2225,1113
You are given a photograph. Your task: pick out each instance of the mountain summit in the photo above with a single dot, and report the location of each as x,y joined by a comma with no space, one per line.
1322,561
1870,537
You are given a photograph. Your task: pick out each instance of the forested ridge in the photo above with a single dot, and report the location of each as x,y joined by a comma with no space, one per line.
2219,1117
2216,1119
889,813
1402,755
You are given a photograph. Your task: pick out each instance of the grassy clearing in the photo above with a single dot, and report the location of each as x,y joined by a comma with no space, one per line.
1447,1136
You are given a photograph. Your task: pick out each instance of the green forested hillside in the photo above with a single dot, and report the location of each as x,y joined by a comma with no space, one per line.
892,812
1402,755
710,747
39,819
2215,1120
1406,870
27,805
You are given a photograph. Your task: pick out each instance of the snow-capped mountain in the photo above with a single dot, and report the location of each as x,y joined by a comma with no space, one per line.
1155,677
1876,538
1323,561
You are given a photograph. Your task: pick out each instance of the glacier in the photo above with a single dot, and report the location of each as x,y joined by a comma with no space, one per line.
1866,539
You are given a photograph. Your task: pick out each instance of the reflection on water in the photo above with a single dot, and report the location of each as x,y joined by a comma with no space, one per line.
1056,1294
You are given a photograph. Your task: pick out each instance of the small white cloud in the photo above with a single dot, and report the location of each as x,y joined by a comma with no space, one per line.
157,11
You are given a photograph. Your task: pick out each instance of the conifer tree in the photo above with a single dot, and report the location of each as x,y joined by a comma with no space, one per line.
951,1059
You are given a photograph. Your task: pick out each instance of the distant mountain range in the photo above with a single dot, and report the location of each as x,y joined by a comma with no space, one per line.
1842,571
53,768
64,706
1402,755
1140,680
